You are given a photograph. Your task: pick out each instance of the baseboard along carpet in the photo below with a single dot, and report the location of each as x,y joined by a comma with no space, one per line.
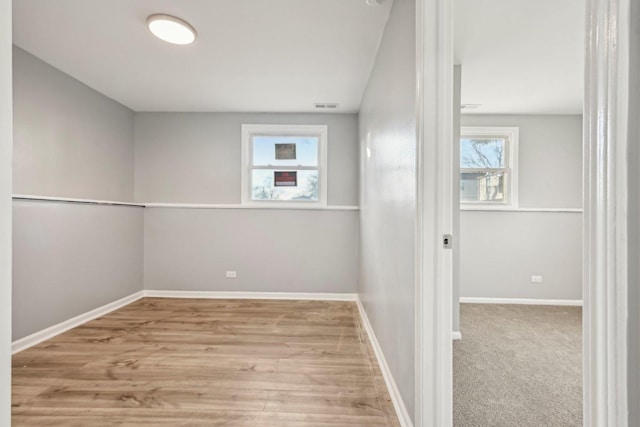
518,366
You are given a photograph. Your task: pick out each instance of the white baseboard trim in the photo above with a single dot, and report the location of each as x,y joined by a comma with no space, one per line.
50,332
523,301
456,335
251,295
396,398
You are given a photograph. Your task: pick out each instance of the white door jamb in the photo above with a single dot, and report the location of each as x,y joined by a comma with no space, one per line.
605,214
434,61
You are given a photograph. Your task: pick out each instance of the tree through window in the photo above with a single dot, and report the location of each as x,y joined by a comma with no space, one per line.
487,166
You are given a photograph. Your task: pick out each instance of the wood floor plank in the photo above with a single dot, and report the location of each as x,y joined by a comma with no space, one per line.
146,417
206,362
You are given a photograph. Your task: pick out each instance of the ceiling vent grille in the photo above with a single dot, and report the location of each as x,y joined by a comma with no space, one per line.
467,107
326,106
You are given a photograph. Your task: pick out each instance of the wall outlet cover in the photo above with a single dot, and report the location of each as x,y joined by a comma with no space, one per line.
536,279
231,274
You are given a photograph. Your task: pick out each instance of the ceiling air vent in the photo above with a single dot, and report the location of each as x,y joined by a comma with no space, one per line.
326,106
467,107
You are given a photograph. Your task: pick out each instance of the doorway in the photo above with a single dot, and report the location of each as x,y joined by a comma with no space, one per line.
519,274
605,252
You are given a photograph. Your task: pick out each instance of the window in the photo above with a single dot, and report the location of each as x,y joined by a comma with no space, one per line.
284,164
488,167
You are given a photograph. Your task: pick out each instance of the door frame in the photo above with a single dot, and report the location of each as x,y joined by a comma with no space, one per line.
605,232
605,294
6,143
434,203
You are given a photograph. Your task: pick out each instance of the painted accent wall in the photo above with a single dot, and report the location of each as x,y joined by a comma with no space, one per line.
196,157
388,197
500,251
6,125
69,140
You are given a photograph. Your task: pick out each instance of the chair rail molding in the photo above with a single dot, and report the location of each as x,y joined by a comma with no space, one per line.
605,215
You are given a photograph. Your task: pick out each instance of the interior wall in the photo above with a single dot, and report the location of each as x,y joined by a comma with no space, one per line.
500,251
196,157
69,140
71,258
388,197
6,125
271,250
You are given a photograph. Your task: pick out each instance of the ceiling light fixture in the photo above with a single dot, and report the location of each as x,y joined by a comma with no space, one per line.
171,29
374,2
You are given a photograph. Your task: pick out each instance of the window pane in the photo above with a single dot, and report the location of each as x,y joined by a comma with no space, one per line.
269,150
483,186
264,187
480,153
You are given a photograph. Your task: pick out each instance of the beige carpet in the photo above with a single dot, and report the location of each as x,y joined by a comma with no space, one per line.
518,366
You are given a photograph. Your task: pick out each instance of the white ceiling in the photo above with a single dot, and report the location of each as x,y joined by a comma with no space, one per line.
250,55
517,56
521,56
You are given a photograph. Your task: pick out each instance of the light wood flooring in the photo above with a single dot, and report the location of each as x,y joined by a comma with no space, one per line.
206,362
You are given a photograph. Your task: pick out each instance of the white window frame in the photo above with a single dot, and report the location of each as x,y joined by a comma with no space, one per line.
512,134
321,131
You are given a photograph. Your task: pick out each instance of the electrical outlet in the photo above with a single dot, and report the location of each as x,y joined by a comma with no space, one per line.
231,274
536,279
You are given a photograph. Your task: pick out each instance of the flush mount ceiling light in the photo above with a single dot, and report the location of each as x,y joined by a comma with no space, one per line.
171,29
374,2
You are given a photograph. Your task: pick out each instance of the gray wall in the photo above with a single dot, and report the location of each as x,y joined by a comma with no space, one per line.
5,212
388,199
634,219
196,157
500,251
69,141
271,250
71,258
